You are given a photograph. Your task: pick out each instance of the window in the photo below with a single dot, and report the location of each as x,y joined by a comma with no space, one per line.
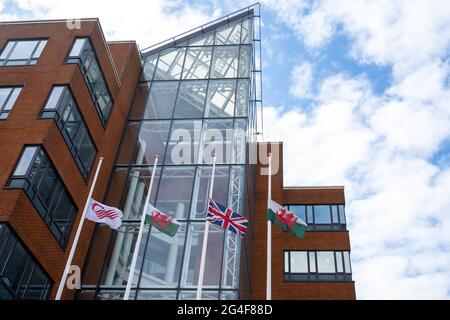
22,52
62,107
20,276
83,54
317,266
321,217
37,176
8,97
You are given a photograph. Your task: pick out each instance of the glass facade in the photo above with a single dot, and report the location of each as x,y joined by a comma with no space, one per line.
20,276
196,98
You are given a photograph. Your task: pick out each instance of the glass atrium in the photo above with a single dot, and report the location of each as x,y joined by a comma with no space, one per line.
198,94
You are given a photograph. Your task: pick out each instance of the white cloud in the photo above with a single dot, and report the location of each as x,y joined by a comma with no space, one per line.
301,80
148,22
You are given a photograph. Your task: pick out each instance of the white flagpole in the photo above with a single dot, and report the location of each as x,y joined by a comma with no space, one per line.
205,236
77,235
141,230
269,235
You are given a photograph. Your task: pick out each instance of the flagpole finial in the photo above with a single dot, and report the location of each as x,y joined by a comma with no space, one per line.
101,158
270,154
157,156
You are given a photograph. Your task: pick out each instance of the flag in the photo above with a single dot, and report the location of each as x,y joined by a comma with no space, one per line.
226,218
101,213
162,221
285,219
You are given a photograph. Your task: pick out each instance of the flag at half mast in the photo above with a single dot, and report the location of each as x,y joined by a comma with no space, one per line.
162,221
285,219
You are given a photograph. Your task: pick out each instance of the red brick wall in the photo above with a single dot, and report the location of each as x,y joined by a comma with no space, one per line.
23,127
283,241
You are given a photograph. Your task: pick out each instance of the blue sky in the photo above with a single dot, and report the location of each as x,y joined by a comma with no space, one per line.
358,92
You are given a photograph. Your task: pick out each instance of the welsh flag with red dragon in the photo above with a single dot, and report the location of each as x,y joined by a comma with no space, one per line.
162,221
285,219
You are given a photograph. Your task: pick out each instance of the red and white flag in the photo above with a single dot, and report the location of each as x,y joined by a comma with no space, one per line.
101,213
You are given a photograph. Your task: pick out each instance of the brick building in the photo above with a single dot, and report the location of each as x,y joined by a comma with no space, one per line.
68,97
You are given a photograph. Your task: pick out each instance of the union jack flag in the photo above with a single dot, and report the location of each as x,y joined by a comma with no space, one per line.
226,218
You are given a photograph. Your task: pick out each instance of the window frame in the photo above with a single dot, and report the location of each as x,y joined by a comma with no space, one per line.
47,213
56,114
24,278
316,276
30,58
84,72
322,227
8,98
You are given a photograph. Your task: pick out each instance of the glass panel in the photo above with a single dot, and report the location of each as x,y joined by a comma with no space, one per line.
347,265
342,214
239,141
244,62
191,99
7,49
217,137
157,295
53,99
23,50
77,46
127,145
176,204
246,36
4,93
225,62
309,210
192,294
150,66
299,262
325,262
242,103
201,190
202,40
162,263
229,34
161,101
170,64
15,267
312,262
37,285
25,161
334,214
152,141
229,295
299,211
221,99
322,214
213,258
339,265
12,99
48,185
63,213
198,61
286,261
184,140
87,152
39,49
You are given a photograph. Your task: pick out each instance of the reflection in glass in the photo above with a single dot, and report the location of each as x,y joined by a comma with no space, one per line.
161,101
162,261
229,34
221,99
244,62
152,141
325,262
170,64
242,102
225,62
175,204
322,214
198,61
203,39
192,256
150,66
217,137
184,140
299,262
191,99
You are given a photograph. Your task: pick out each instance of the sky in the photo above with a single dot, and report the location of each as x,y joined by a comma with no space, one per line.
358,91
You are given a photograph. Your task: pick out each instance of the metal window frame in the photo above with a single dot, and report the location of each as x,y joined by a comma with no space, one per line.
28,62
